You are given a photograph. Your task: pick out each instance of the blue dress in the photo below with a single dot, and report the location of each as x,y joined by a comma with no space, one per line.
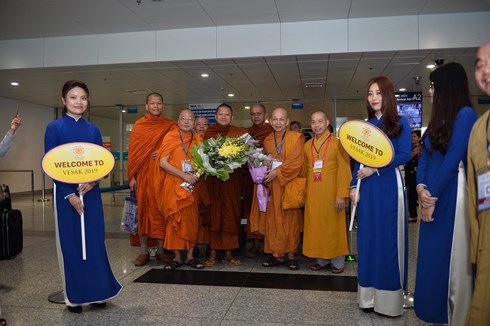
443,281
382,231
92,280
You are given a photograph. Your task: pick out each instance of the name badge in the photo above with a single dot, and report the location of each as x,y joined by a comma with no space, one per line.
276,163
318,165
187,166
484,191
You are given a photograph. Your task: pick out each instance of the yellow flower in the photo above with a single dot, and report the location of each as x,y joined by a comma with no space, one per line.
230,150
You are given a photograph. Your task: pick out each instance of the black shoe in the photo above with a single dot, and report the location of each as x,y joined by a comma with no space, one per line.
368,310
100,305
75,309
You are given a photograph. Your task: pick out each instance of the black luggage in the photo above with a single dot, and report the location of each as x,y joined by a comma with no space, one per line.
11,238
5,200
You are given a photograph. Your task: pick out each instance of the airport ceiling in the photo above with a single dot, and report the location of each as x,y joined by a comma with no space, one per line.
273,80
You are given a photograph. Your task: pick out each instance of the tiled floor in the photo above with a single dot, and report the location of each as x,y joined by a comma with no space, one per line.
158,298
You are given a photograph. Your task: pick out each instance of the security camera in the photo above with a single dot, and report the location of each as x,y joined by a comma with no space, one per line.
439,62
417,79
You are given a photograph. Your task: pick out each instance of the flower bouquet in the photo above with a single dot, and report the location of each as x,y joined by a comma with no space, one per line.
259,161
220,156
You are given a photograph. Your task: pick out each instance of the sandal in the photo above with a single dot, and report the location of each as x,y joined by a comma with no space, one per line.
252,252
194,264
317,267
336,270
210,262
292,264
232,261
272,261
173,265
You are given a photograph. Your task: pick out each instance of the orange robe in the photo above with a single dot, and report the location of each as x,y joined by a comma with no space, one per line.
258,133
281,227
226,208
325,232
179,206
145,138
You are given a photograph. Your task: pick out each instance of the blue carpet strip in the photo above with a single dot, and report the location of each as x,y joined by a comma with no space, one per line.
252,280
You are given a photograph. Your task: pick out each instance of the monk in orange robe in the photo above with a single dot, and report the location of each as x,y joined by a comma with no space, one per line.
180,205
226,208
258,130
145,176
281,227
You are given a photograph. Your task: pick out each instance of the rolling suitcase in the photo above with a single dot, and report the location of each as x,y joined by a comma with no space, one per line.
11,238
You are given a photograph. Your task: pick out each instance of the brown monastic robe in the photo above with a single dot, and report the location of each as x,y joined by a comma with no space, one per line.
226,208
281,227
145,138
258,133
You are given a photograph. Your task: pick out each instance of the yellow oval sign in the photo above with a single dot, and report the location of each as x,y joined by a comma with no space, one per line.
78,162
366,143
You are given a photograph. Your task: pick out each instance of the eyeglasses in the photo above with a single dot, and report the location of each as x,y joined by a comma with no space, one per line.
186,119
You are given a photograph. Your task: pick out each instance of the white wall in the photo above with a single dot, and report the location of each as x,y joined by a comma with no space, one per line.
28,147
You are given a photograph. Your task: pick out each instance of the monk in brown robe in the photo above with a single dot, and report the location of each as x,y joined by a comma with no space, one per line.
258,130
281,227
226,208
202,124
144,175
180,205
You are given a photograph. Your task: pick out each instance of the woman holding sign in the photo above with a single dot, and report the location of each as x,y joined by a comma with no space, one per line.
88,281
443,282
382,228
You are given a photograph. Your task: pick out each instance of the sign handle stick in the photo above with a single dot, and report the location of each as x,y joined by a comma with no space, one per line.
354,206
82,223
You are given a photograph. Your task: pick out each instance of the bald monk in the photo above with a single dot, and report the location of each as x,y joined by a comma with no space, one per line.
327,168
226,208
144,175
202,124
258,130
281,227
180,206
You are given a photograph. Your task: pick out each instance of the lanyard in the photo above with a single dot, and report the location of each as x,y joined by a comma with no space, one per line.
186,151
279,149
318,151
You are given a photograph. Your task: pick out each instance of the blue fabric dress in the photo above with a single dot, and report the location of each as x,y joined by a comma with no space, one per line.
92,280
382,231
443,281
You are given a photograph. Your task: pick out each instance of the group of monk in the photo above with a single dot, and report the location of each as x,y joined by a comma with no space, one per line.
178,209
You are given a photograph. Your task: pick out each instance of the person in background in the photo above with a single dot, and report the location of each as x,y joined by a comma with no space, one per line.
90,281
9,137
443,280
258,130
382,226
478,176
295,126
4,147
145,177
327,168
226,196
281,227
202,124
180,205
411,176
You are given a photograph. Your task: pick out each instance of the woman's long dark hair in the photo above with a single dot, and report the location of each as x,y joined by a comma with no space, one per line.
69,85
390,124
451,94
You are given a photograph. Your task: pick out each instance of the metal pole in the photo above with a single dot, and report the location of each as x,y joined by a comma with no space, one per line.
32,184
121,147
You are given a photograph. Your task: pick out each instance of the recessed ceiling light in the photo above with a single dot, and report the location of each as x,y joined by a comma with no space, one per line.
231,95
123,111
247,107
204,75
402,89
14,83
431,66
